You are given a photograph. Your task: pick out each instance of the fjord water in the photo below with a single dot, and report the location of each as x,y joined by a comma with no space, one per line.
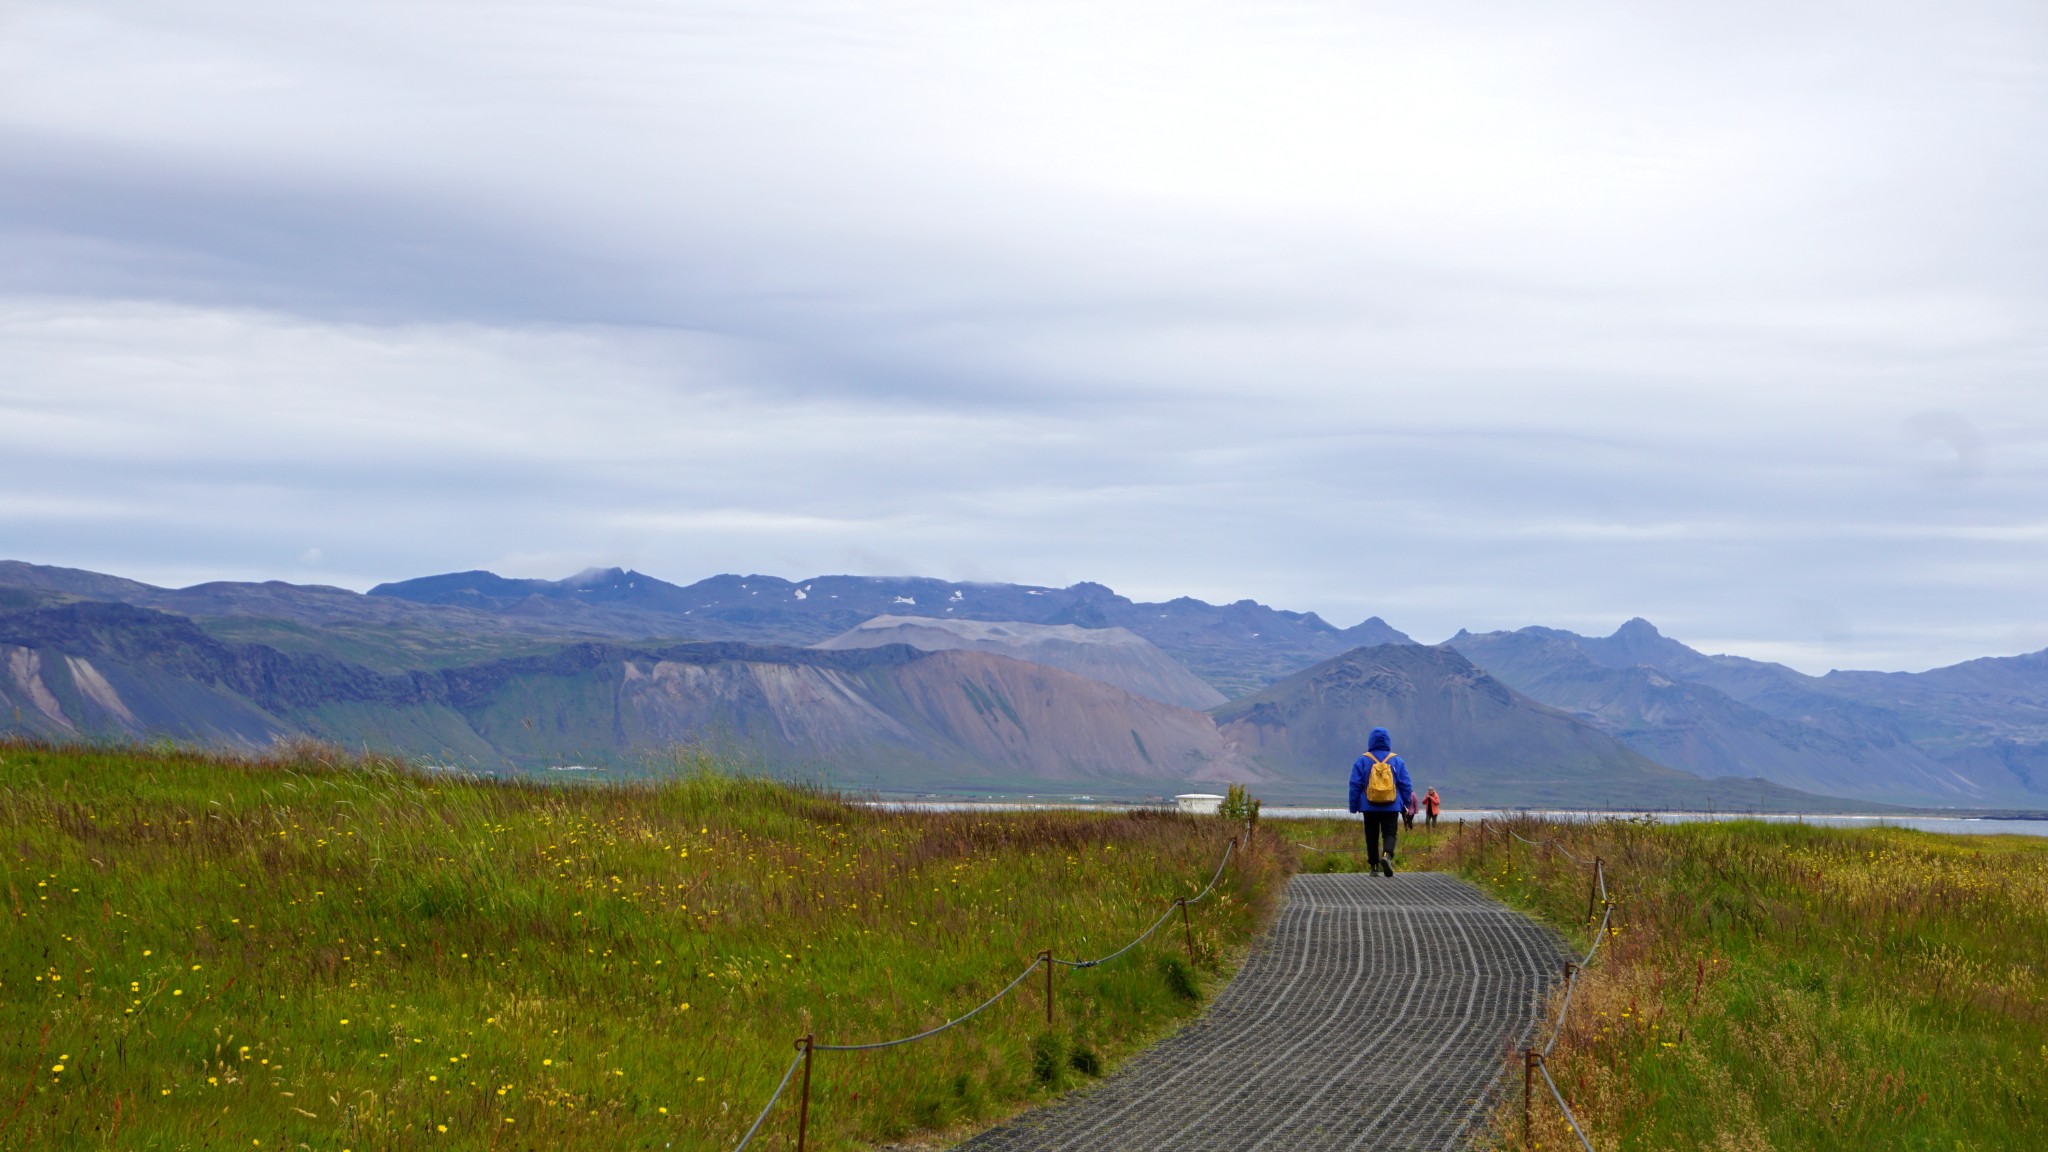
1953,825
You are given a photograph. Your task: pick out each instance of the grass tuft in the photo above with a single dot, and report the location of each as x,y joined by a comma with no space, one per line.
1049,1054
1180,979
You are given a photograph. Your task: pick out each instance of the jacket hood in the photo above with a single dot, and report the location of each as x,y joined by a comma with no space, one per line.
1379,741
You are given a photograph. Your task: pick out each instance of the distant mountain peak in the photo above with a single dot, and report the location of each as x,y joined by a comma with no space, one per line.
1637,628
1084,613
591,576
1368,632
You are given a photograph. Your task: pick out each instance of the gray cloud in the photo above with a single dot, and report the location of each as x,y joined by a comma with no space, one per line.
1478,316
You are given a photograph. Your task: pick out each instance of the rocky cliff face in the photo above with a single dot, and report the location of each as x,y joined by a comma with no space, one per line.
890,716
953,718
57,696
1115,656
1053,724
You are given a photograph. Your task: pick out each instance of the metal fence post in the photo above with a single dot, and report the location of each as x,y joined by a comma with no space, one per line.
1187,924
803,1108
1045,958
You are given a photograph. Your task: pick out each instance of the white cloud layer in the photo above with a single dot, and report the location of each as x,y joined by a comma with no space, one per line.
1466,315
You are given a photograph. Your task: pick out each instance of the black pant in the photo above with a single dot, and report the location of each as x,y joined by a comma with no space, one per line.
1380,826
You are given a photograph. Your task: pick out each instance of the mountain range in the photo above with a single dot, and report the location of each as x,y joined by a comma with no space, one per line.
1969,736
1466,733
956,718
461,617
1235,647
939,686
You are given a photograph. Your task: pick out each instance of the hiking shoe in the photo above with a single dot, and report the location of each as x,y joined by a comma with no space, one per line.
1388,864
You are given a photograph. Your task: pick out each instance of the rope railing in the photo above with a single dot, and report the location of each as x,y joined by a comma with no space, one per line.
1181,903
1550,844
806,1045
1570,1119
1135,941
1535,1062
961,1019
773,1097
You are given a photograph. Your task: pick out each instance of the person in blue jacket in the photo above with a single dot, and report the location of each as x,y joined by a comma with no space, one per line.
1382,817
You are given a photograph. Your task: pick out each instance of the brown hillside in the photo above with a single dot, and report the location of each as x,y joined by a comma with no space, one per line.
956,714
1112,655
1464,733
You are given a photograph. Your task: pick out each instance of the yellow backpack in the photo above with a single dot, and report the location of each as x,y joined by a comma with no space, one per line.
1379,786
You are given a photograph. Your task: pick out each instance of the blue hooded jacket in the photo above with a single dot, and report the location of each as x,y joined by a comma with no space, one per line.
1361,772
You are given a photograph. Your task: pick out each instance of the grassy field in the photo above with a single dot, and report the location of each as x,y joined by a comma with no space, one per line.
218,955
215,955
1771,986
1339,845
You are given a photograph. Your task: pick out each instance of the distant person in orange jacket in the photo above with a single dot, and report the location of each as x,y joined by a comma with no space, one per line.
1430,804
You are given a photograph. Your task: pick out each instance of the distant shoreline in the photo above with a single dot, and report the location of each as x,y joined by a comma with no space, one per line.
2031,823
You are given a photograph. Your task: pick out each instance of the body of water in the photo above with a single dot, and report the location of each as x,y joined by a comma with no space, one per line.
1953,825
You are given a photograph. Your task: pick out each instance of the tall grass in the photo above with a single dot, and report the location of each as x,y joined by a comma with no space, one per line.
1773,986
1339,845
297,953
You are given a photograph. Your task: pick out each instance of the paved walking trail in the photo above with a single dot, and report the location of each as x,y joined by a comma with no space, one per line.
1376,1015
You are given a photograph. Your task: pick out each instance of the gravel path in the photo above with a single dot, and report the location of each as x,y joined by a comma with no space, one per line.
1376,1015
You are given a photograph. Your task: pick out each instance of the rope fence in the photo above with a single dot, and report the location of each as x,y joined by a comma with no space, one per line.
807,1044
1536,1061
773,1097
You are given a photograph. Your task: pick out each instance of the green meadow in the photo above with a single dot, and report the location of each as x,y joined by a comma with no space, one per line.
1773,986
215,954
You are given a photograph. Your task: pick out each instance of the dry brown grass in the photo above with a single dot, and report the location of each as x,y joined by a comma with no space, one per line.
1770,986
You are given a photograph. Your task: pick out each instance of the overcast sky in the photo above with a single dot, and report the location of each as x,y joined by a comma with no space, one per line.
1733,316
